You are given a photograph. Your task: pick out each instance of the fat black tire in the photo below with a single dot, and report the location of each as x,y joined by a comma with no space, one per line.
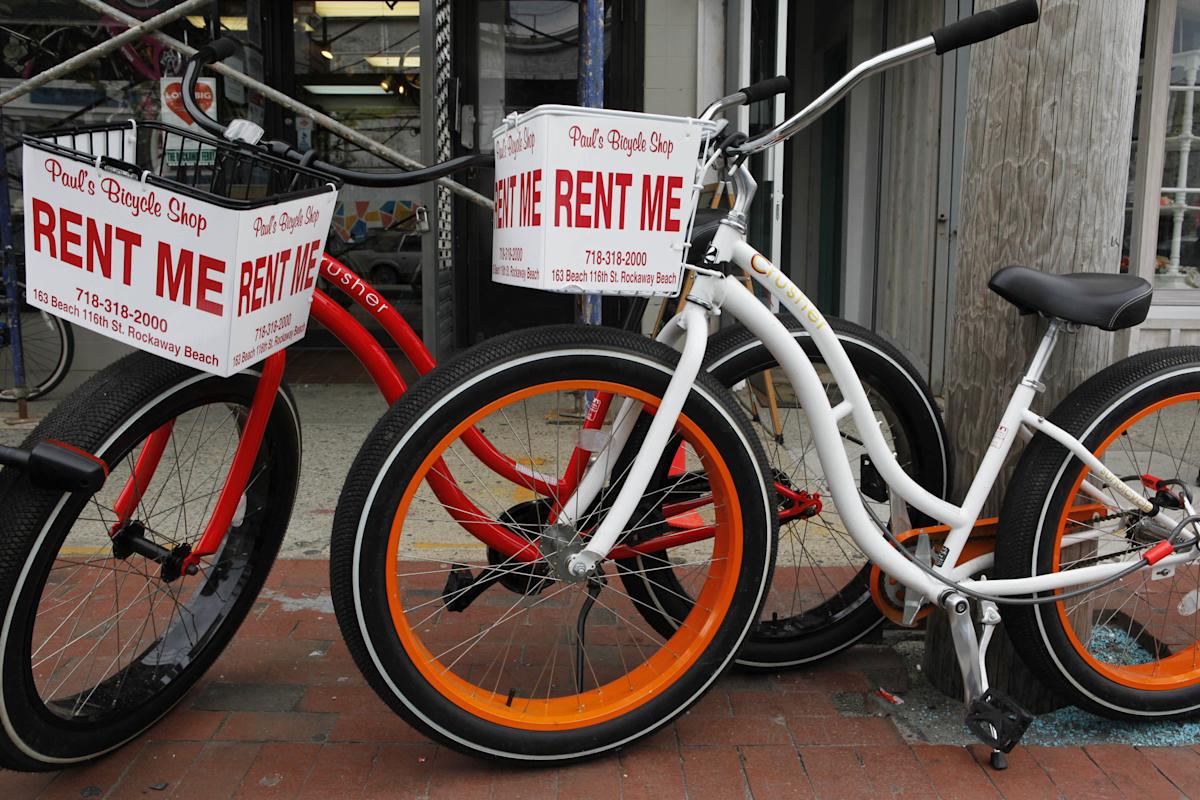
419,420
1034,502
106,416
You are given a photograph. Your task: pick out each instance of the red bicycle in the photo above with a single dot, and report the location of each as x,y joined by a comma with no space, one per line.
145,511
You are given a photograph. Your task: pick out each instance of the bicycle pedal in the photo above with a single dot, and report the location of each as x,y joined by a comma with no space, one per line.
997,720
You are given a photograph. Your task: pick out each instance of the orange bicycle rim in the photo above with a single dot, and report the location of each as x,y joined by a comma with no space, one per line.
637,687
1172,672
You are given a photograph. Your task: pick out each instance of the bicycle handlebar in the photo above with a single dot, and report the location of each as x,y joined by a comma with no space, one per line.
223,48
985,25
765,89
209,54
748,94
392,180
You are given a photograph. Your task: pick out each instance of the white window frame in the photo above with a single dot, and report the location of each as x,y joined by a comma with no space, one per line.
1151,154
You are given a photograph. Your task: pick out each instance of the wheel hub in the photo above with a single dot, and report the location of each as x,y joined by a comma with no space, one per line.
558,544
794,503
131,538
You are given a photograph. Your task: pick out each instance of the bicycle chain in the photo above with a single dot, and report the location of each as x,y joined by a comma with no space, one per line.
1117,515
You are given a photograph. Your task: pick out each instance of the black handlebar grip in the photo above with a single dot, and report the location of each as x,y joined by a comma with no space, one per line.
985,25
54,465
222,49
765,89
211,53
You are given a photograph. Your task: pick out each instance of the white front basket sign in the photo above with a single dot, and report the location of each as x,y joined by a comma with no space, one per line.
595,201
215,288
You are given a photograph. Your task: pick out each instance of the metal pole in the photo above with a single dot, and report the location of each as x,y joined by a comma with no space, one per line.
14,326
327,122
5,202
8,272
591,94
136,30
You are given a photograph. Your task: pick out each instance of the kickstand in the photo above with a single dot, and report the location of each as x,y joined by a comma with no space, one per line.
595,584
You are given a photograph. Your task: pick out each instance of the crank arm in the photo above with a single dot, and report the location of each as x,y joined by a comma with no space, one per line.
463,588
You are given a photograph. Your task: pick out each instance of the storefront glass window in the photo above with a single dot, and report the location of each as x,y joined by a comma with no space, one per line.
1177,265
138,81
1176,232
360,64
527,54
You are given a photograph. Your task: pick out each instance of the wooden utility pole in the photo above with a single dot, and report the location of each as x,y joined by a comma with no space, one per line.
1045,177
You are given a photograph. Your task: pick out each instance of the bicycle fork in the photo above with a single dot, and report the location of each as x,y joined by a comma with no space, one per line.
186,559
692,325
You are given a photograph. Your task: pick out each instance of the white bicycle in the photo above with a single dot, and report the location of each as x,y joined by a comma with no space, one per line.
650,528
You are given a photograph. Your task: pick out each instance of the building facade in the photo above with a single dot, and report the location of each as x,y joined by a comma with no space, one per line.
861,209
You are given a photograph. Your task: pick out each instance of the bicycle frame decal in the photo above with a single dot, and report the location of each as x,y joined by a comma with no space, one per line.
352,285
778,283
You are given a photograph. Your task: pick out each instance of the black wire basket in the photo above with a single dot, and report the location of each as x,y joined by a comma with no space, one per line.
226,174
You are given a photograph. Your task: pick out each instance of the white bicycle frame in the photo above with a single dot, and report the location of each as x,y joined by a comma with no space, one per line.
714,293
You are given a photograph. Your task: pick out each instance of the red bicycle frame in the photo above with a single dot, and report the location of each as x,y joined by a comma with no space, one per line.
387,378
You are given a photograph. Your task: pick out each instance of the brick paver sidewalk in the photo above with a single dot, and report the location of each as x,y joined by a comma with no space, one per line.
285,713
